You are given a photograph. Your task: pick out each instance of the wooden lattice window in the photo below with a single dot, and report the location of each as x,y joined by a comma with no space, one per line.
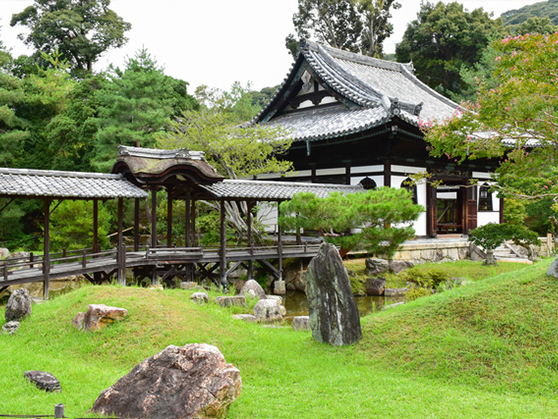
411,186
368,183
485,198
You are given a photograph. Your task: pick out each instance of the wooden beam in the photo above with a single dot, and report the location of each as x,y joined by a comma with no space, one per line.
250,237
280,243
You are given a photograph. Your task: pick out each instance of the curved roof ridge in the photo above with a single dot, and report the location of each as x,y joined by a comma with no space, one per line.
339,78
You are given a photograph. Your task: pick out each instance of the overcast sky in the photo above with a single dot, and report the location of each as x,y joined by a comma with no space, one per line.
218,42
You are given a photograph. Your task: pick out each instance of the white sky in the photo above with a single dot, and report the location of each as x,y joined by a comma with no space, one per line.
218,42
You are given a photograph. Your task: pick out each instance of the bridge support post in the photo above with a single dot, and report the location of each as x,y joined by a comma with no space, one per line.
250,238
46,256
154,217
223,249
121,250
136,224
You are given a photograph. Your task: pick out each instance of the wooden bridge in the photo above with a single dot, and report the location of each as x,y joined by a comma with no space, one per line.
184,175
165,263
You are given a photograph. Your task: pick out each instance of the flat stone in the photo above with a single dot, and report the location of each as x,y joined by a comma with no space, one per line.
301,323
200,297
248,318
231,301
394,305
395,292
10,328
186,285
398,266
43,380
376,266
277,298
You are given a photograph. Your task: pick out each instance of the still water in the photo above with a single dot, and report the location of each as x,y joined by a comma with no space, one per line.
297,305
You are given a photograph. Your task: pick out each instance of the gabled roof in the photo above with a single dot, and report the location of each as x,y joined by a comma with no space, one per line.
272,191
368,92
71,185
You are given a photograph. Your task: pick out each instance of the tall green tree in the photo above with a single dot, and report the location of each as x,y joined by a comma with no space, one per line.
376,15
134,105
82,30
379,219
354,25
443,39
515,120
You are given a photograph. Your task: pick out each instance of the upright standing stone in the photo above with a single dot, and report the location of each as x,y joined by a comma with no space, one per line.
19,305
333,312
252,289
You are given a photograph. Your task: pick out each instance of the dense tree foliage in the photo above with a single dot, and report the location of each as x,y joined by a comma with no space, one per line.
353,25
82,30
134,105
541,9
376,220
514,120
442,40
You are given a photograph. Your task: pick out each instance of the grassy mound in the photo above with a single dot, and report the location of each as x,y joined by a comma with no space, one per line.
486,350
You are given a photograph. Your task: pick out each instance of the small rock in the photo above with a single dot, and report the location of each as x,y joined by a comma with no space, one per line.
398,266
395,292
18,306
43,380
237,300
375,286
200,297
277,298
375,266
267,311
10,328
248,318
186,285
18,257
4,253
252,289
301,323
98,316
279,288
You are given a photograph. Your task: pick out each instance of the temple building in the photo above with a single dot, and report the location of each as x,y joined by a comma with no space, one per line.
356,120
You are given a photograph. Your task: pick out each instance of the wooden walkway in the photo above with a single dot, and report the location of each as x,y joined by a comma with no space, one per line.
163,262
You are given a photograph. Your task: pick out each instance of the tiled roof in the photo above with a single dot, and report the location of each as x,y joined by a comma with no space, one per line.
373,91
272,191
57,184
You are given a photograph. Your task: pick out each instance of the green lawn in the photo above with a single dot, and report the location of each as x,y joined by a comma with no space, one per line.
487,350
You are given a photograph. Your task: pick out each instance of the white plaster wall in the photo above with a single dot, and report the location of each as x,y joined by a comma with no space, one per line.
484,218
267,215
366,169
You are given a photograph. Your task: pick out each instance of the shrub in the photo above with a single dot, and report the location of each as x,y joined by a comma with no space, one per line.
426,278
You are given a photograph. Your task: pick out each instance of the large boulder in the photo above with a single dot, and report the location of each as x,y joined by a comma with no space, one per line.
252,289
334,316
375,266
98,316
18,306
268,310
398,266
193,381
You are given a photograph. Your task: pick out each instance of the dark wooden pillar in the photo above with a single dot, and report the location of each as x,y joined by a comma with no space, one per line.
96,226
169,217
502,214
193,223
223,248
136,224
187,214
121,250
154,217
250,237
279,243
431,211
387,173
46,256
